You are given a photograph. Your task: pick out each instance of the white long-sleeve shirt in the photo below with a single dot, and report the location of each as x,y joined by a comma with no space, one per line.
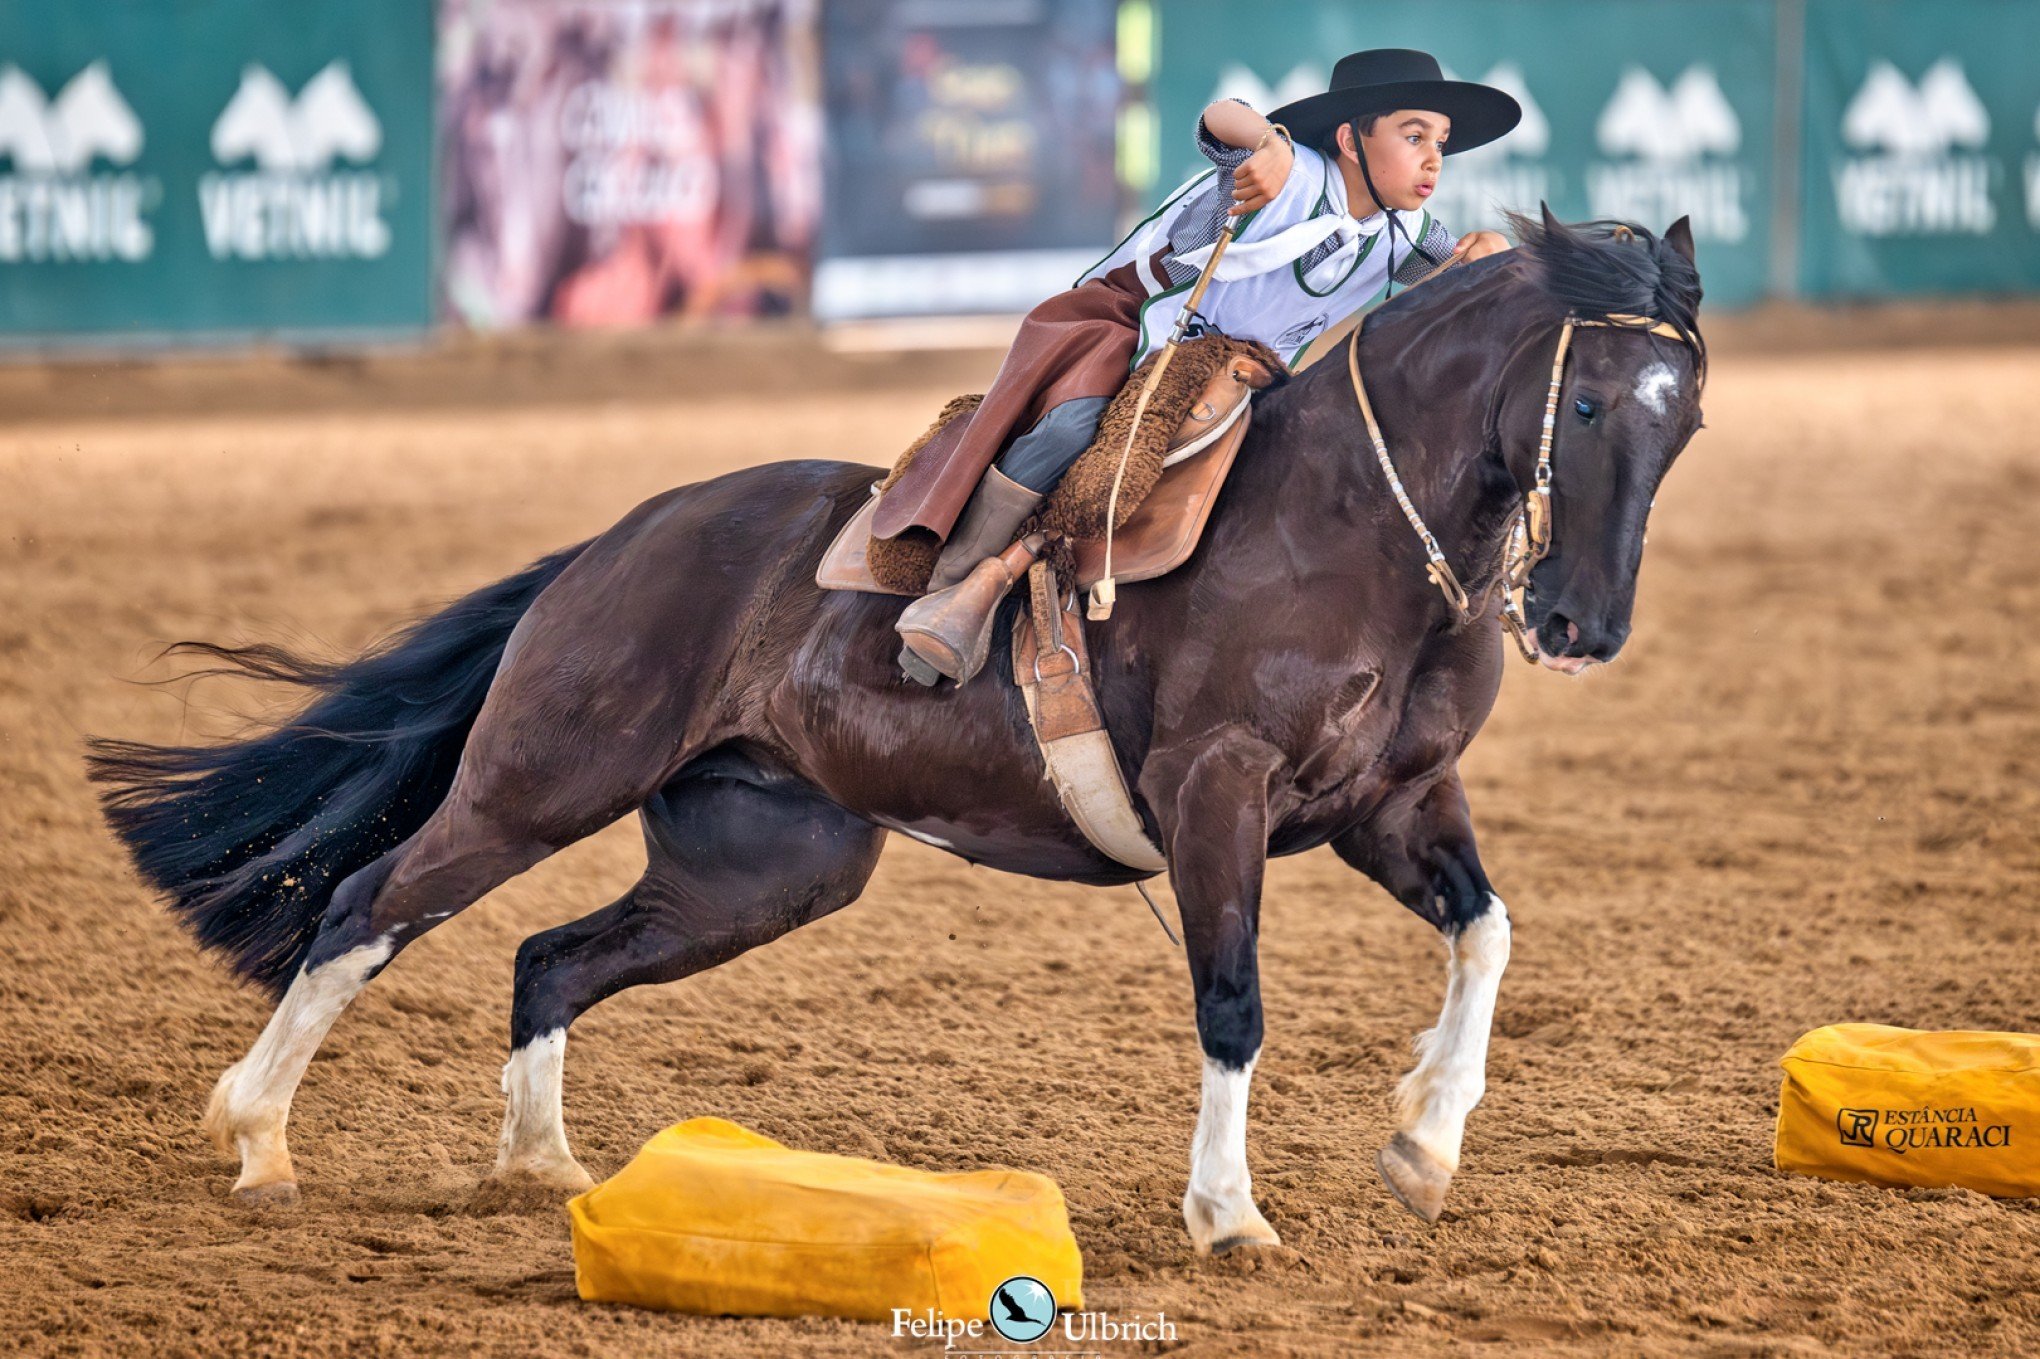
1295,267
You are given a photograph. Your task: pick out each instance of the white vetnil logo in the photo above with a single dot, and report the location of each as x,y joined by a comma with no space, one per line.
1238,81
296,203
1507,173
1668,151
88,118
328,118
55,204
1531,137
1889,114
1691,119
1917,167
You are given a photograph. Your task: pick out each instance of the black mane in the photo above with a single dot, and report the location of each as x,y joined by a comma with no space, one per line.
1589,269
1605,268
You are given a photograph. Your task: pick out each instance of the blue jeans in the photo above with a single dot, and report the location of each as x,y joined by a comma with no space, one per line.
1038,458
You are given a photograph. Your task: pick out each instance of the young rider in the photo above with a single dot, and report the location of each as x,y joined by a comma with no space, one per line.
1326,196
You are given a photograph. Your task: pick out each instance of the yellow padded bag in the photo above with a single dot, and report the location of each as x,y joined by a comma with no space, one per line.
1899,1106
713,1218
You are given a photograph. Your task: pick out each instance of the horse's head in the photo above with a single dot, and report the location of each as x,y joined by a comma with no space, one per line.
1629,403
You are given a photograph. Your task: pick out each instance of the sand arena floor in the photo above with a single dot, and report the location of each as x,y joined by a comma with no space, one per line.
1810,791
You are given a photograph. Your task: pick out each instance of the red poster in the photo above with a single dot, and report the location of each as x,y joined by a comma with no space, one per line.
613,163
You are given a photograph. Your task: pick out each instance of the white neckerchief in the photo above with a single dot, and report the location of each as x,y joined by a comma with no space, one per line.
1247,259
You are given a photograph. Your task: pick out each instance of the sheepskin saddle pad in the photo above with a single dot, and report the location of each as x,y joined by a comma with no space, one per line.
1199,408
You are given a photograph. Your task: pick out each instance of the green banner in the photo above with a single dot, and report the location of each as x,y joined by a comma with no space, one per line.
232,167
1635,110
1921,147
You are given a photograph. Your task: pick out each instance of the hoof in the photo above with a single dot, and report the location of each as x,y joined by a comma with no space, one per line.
1416,1177
280,1194
537,1189
1237,1229
554,1177
1246,1240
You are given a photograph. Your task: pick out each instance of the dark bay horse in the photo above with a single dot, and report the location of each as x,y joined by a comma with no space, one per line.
1299,682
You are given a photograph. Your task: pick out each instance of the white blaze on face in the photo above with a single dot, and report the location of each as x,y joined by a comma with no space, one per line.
1655,387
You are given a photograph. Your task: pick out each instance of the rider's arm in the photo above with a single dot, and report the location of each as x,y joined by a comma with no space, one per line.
1220,201
1438,244
1242,144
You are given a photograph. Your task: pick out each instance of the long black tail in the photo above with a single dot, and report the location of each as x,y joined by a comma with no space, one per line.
249,839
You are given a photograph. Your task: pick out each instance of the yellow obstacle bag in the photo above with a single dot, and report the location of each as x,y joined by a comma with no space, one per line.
1898,1106
713,1218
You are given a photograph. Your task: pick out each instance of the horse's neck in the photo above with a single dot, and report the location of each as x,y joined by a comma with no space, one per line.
1431,375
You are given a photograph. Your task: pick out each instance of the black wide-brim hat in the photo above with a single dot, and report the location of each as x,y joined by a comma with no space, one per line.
1389,78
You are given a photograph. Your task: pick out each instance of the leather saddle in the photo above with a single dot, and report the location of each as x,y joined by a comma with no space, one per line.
1163,531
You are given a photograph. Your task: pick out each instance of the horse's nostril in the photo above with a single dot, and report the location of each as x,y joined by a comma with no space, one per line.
1572,632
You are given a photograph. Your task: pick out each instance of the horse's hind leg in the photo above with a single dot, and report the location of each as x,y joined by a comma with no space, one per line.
736,857
513,803
453,860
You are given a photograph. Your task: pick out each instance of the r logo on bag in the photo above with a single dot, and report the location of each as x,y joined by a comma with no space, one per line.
1858,1127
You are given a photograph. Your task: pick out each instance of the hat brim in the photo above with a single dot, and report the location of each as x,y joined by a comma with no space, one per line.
1479,113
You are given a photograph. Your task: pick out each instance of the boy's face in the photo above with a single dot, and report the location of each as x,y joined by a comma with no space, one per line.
1405,155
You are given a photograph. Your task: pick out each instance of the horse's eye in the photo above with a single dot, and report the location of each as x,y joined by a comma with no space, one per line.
1585,409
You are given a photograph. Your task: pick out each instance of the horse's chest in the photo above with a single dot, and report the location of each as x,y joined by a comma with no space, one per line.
1376,733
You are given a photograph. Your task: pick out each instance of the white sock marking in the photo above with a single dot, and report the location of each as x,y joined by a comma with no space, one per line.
1221,1193
534,1117
259,1087
1451,1071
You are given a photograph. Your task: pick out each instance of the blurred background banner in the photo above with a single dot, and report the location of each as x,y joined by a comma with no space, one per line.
1922,147
219,170
618,161
1632,109
971,153
214,167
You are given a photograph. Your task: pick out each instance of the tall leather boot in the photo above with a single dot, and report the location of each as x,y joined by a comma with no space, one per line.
951,630
985,529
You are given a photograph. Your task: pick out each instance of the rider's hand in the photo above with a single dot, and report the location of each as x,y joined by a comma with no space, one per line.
1478,244
1262,176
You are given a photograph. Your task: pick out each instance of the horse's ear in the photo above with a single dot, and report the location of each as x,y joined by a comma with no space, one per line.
1679,236
1551,224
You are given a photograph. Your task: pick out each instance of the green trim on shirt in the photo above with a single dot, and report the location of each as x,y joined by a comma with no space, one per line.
1366,248
1167,203
1141,339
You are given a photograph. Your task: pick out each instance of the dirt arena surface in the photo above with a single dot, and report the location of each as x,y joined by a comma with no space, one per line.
1808,792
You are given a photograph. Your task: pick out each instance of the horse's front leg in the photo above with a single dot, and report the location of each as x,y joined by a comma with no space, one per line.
1425,855
1213,806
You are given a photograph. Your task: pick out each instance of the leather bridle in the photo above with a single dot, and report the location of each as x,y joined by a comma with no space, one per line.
1529,538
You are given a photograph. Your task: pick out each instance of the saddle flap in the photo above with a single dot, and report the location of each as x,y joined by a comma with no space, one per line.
1166,529
846,566
1159,538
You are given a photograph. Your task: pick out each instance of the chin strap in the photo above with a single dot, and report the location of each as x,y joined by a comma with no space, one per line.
1395,226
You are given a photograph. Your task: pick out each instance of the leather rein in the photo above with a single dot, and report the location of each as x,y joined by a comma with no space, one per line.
1530,534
